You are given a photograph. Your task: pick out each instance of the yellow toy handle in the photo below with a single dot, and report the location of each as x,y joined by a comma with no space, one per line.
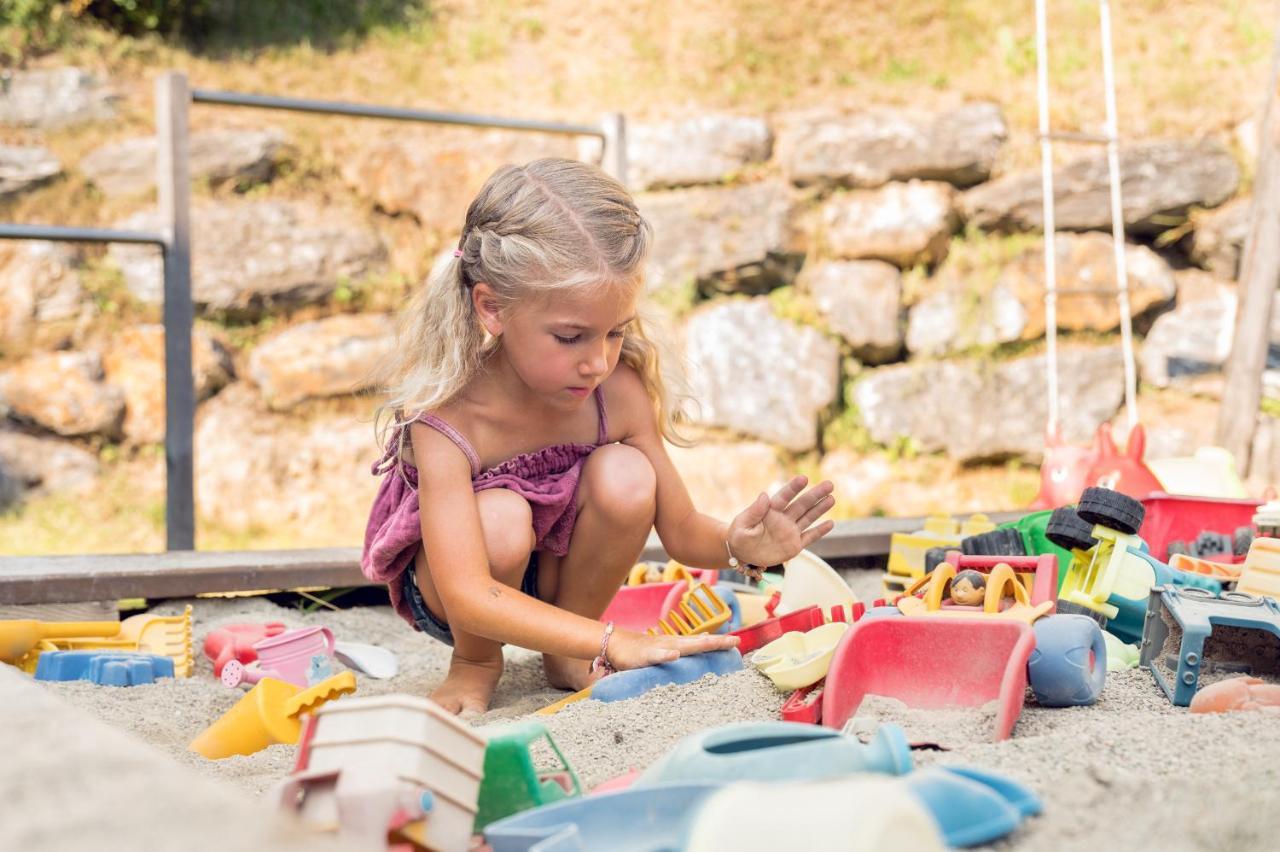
343,683
940,582
1001,576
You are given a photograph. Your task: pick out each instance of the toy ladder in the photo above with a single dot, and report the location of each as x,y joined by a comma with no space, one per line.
1109,138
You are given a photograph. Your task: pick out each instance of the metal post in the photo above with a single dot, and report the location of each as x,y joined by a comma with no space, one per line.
173,185
614,162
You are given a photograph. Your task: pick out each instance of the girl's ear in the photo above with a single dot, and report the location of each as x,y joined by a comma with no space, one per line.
487,308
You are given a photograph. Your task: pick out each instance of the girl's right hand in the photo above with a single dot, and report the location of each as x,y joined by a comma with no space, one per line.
628,650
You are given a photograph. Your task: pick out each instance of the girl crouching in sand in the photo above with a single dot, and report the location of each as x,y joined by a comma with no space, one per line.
524,463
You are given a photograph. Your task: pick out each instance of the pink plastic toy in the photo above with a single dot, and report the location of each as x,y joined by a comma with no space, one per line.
1126,473
1237,693
1171,517
1064,473
640,607
286,656
759,635
931,662
235,642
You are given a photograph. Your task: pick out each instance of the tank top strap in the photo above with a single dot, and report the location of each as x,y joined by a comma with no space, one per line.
603,417
455,436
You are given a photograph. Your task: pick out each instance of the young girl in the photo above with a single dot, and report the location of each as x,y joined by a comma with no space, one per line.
525,465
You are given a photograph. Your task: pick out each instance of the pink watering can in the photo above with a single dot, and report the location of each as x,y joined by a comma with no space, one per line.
287,656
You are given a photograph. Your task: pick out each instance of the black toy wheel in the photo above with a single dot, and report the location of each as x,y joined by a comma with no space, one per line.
933,557
1069,530
1210,544
1068,608
1006,541
1242,541
1111,509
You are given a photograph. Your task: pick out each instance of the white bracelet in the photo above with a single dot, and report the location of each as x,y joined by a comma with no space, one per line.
733,560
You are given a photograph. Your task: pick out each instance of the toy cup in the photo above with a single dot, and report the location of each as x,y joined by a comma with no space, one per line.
286,657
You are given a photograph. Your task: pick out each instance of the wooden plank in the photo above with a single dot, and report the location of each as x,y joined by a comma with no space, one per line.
1259,275
62,579
85,611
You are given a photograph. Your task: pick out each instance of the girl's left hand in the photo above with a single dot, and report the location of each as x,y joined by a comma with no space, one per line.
774,529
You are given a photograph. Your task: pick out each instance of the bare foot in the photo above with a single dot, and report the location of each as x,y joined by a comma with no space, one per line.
568,673
468,686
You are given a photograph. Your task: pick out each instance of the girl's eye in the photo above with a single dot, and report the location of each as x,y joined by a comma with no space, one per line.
566,340
616,334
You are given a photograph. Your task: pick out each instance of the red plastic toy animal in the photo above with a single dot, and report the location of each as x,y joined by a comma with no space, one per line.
1237,693
1064,473
1124,472
235,642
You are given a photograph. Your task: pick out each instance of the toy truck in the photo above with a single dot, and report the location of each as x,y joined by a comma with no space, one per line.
907,550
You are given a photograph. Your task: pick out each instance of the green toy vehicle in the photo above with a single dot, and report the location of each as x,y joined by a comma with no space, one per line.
512,783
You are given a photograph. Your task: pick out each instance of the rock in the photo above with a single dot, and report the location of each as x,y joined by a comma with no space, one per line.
952,320
724,478
1192,339
434,173
1087,261
24,167
760,375
135,364
53,97
128,167
39,465
248,256
706,149
979,409
64,393
902,223
879,145
1218,240
860,481
703,232
39,283
328,357
861,301
1161,182
256,469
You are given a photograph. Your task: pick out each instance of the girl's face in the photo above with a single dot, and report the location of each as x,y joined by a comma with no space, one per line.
565,346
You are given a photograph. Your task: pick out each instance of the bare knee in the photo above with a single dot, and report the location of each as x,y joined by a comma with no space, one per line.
620,483
507,521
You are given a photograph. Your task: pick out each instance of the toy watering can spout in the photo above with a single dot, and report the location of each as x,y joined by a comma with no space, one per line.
888,751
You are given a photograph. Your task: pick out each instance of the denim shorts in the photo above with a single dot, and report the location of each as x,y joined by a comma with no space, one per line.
426,621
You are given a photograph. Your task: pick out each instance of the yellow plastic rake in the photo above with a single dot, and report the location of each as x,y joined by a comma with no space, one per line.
700,611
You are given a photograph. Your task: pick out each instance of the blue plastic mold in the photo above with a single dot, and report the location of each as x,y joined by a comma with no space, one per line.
1191,630
646,819
105,668
633,682
777,751
972,806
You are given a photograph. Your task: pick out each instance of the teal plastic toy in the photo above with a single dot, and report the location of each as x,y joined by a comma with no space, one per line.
511,782
777,751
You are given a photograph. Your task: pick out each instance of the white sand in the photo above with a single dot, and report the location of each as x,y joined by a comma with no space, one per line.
1130,771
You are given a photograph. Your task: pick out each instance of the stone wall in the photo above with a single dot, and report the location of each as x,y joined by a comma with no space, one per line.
809,262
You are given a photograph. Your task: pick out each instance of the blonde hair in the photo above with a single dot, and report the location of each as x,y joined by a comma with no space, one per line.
548,227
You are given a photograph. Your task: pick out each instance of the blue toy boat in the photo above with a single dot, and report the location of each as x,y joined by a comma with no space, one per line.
777,751
648,819
634,682
105,668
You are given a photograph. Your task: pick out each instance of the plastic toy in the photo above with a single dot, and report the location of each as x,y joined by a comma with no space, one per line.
1192,634
639,818
907,550
777,751
1121,655
972,806
759,635
700,611
1210,472
235,642
804,705
1237,693
377,663
556,707
1173,518
284,656
857,812
267,714
511,782
104,668
1019,587
1267,519
640,607
1064,473
365,765
1221,571
810,581
796,659
1125,472
628,684
168,636
1261,572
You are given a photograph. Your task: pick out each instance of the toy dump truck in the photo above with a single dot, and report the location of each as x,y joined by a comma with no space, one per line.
1194,637
936,655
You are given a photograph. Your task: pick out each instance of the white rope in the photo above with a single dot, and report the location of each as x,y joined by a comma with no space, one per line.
1046,190
1117,220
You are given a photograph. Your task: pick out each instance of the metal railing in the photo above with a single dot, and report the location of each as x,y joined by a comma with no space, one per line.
173,190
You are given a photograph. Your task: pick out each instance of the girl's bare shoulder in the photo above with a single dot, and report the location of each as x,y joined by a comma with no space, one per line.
631,410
